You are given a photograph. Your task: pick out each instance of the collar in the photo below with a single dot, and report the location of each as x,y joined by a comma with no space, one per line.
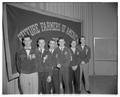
82,46
51,50
27,48
61,48
41,49
73,49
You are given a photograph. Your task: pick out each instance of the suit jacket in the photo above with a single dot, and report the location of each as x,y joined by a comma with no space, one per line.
51,61
39,60
40,67
85,54
75,57
63,57
24,64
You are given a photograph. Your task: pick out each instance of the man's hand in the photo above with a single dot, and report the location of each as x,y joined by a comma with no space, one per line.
33,56
44,58
74,67
59,65
49,79
82,62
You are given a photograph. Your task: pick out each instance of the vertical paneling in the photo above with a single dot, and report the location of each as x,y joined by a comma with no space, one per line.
105,26
82,11
40,5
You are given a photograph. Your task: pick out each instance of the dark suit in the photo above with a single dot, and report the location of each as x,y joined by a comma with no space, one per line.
85,54
52,59
63,58
49,63
74,78
28,71
42,74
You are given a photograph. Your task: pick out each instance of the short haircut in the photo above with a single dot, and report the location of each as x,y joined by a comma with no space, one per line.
40,38
51,40
72,41
61,38
27,36
83,37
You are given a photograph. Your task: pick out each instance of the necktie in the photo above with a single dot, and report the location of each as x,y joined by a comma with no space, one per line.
61,49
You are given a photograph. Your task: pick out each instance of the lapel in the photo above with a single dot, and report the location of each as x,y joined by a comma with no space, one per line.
82,49
43,53
73,51
24,52
39,52
85,49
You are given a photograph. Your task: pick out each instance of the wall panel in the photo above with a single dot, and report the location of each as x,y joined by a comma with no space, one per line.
95,23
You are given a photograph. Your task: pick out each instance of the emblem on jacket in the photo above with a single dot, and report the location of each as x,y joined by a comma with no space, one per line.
65,52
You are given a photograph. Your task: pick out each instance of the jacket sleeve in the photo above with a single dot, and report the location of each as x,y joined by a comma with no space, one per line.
88,55
18,62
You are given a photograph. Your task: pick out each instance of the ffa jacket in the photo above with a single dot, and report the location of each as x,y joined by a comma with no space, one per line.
39,60
51,61
75,57
23,63
63,57
85,53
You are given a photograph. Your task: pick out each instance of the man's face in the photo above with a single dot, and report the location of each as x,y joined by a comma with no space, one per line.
52,44
73,43
27,41
83,40
41,43
61,42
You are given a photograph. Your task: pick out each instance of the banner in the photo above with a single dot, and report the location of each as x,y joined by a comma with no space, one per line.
19,22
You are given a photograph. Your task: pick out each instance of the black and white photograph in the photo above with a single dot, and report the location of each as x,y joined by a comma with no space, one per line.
60,48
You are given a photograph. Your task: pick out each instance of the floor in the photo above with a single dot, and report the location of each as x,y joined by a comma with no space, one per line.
102,85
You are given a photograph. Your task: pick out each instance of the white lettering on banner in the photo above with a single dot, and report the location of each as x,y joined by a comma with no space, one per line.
30,30
71,33
50,26
47,26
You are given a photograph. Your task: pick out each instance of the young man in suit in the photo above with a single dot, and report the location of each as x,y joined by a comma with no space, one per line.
41,56
74,69
51,65
63,61
85,54
25,61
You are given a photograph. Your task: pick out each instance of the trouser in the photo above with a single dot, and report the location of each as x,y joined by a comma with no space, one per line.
29,83
74,80
41,83
44,86
64,79
49,85
56,81
84,71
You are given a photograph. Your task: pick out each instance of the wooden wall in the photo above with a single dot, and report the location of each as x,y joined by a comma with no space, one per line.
82,11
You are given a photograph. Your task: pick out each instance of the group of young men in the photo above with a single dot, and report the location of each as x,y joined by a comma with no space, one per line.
46,71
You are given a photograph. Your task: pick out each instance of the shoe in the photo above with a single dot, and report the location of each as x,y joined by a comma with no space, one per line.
89,92
79,92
